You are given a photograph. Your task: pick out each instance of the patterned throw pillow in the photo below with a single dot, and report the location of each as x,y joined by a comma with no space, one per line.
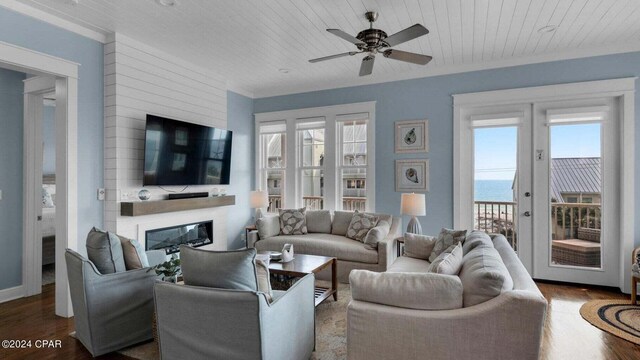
446,238
448,262
360,225
293,221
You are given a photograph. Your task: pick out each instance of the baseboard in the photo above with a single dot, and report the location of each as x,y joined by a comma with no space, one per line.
11,293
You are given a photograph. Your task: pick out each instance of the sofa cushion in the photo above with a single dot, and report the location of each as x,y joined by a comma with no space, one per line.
409,264
418,246
446,238
341,221
483,275
378,233
264,281
322,245
360,225
293,221
474,239
134,255
219,269
449,262
104,250
319,221
428,291
268,226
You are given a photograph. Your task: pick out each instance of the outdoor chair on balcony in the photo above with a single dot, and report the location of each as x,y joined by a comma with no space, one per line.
582,251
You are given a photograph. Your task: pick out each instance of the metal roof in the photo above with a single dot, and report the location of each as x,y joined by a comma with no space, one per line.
575,175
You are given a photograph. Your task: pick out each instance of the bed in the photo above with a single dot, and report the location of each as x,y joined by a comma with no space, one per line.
48,222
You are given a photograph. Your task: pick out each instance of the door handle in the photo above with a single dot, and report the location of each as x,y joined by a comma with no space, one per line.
527,194
527,213
39,218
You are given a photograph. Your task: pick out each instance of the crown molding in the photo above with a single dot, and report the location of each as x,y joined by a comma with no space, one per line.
54,20
427,71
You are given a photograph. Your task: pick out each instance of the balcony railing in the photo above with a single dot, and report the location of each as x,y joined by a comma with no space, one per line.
317,203
567,219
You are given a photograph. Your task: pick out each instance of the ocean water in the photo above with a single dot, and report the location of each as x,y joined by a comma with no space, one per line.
493,190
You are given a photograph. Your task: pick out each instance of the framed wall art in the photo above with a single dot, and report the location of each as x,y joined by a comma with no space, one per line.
412,136
412,175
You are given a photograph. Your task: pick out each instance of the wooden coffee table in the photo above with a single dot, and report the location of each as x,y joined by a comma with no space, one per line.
302,265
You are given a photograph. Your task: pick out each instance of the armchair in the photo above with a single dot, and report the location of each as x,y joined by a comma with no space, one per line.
209,323
111,311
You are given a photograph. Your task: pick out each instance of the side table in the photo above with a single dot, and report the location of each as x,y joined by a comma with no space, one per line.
400,245
247,230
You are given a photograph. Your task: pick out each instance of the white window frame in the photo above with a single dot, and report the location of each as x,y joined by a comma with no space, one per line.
262,167
332,197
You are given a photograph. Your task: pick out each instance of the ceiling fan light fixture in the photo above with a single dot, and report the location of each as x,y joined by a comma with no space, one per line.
167,3
547,29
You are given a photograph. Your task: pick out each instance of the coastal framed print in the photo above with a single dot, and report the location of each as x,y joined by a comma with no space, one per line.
412,136
412,175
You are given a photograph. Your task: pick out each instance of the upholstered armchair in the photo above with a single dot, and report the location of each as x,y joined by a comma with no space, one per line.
209,323
111,311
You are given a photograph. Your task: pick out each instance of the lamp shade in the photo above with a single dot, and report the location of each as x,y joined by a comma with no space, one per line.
413,204
259,199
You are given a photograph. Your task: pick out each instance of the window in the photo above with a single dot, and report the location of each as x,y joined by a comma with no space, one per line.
272,162
319,158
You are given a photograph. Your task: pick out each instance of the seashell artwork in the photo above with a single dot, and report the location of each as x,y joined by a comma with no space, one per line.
412,175
410,137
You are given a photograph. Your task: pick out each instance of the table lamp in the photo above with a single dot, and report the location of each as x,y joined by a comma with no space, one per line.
414,205
259,200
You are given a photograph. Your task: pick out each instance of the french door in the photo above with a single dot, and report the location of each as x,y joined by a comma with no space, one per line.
562,161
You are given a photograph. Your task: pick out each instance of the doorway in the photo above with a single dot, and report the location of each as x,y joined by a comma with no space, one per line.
566,157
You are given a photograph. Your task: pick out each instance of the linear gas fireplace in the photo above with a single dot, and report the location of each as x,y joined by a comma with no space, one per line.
169,239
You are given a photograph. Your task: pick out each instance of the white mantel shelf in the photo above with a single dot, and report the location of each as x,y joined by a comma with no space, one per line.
140,208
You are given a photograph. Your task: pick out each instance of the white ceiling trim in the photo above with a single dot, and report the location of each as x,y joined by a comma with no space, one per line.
454,69
53,20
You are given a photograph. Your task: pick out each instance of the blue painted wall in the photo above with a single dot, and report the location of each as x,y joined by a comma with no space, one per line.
29,33
49,139
11,141
240,121
431,98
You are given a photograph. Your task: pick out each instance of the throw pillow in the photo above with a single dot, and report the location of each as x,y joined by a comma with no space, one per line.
268,226
475,239
264,282
360,225
418,246
341,221
219,269
134,255
293,221
446,238
448,262
378,233
483,275
105,251
319,221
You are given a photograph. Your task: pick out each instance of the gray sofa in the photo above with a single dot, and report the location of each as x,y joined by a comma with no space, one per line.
111,311
409,313
327,238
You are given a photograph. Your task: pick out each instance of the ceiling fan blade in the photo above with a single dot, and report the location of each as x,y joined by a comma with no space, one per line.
341,34
407,34
367,65
407,56
350,53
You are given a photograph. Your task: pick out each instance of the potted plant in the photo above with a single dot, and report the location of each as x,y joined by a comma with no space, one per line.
169,270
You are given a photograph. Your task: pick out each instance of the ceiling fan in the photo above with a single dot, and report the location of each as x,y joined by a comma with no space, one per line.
373,41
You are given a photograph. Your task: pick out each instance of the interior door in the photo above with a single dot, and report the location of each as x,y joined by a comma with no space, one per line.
576,167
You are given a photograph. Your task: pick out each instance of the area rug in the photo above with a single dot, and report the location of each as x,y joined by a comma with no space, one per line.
617,317
331,331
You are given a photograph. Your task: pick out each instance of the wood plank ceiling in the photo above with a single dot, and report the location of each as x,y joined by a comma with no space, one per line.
250,40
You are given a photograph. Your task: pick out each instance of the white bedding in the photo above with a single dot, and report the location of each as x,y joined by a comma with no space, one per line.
48,222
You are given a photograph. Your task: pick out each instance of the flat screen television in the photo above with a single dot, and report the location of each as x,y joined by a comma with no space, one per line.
181,153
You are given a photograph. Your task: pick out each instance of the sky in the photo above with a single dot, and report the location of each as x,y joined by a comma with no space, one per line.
496,148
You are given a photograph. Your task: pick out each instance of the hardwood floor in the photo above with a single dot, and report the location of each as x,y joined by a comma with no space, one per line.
566,334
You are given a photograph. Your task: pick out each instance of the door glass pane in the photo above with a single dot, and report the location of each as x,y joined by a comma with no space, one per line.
354,189
575,188
275,189
313,189
495,181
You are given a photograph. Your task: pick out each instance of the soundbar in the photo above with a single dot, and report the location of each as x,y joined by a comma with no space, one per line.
188,195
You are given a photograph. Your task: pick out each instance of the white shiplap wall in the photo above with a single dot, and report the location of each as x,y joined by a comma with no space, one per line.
141,80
